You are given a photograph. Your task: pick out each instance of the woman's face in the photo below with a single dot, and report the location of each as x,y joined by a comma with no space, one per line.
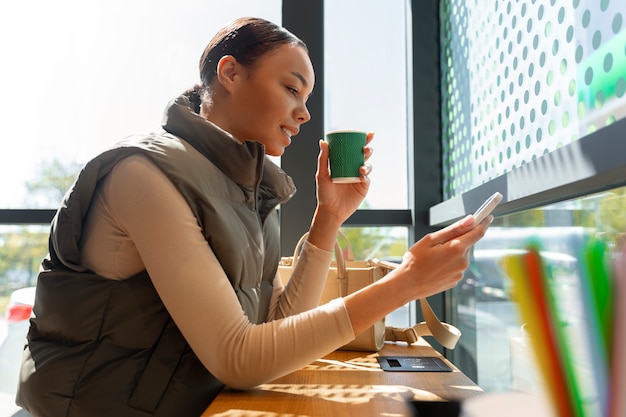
270,98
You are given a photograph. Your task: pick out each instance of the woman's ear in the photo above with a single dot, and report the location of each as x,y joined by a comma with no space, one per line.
228,69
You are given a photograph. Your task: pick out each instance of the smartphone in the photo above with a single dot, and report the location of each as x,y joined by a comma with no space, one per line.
487,207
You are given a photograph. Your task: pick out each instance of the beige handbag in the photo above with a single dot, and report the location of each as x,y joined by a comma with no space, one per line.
346,276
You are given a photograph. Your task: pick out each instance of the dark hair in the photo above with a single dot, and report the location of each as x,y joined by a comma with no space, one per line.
246,39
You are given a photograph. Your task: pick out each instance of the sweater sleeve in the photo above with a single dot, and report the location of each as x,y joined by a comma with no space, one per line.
305,286
147,207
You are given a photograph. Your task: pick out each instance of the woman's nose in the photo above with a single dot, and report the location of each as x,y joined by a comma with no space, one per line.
302,114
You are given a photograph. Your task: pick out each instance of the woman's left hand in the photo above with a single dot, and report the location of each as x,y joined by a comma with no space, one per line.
341,200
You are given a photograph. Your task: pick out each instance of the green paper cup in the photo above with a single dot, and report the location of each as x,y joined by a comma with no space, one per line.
346,154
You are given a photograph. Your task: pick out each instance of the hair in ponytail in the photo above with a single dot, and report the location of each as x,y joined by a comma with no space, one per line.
194,94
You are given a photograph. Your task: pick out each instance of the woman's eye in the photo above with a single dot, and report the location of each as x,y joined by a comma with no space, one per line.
292,90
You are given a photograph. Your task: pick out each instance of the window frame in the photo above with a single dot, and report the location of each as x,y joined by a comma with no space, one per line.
592,164
589,165
26,216
300,159
423,152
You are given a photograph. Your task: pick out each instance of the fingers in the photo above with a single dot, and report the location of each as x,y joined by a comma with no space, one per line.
365,169
452,231
322,160
442,256
462,227
368,150
479,230
434,269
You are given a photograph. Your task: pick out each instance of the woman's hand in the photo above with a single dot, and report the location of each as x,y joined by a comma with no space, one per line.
437,261
432,265
341,200
336,202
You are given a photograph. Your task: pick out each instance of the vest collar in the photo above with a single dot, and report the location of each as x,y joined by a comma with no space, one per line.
240,162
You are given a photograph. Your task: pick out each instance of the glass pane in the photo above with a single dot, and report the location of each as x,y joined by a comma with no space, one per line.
521,79
385,243
366,87
79,76
494,350
22,249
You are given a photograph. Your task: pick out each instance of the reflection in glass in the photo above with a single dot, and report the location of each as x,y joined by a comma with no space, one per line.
494,350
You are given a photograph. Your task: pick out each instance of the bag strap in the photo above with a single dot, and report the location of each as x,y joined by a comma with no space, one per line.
349,252
446,334
342,272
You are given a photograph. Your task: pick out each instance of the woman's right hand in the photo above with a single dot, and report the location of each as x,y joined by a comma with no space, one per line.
432,265
437,261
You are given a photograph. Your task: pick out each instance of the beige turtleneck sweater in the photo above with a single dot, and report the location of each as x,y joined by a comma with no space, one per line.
138,220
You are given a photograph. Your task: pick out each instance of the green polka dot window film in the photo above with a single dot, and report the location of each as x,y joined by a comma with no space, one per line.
523,78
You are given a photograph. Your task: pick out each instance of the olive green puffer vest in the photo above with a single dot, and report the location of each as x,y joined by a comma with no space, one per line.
100,347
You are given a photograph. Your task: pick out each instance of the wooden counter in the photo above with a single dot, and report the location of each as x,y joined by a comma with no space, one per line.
347,383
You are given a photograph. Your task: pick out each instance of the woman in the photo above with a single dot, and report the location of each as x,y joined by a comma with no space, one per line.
161,285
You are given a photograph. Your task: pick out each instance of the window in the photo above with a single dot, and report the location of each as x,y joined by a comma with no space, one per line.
76,78
365,88
533,105
523,79
80,76
366,70
494,348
